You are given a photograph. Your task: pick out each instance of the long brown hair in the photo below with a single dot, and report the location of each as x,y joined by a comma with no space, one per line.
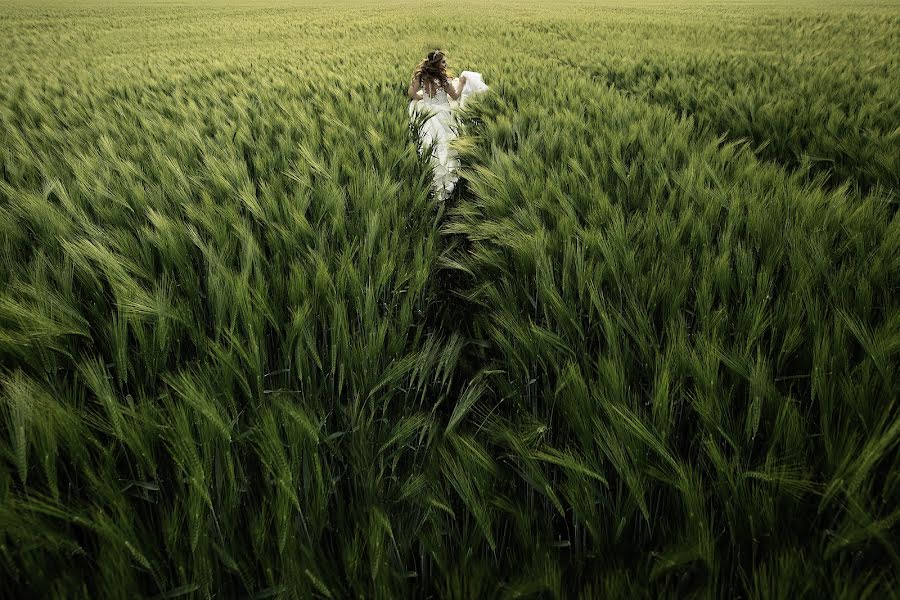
430,67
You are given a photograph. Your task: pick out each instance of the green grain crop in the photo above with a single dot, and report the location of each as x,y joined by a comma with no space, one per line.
650,347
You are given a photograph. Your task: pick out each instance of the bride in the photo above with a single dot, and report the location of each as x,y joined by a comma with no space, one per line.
433,94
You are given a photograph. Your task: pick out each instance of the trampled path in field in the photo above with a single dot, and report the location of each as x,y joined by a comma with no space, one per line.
243,353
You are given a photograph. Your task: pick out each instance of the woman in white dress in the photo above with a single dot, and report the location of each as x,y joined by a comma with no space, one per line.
431,92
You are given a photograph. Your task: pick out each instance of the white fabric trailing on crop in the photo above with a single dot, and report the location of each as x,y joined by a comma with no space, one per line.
440,130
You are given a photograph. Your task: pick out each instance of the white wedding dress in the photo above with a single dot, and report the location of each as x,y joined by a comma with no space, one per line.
440,129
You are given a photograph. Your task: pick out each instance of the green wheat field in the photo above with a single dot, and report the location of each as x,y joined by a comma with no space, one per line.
650,348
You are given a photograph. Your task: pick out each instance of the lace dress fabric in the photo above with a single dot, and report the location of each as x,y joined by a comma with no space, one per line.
440,128
437,132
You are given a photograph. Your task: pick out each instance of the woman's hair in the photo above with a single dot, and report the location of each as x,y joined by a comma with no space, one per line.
430,68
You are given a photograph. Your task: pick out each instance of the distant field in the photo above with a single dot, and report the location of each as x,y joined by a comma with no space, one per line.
651,349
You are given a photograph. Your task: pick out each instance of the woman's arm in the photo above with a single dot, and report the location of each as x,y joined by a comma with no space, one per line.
413,90
456,93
